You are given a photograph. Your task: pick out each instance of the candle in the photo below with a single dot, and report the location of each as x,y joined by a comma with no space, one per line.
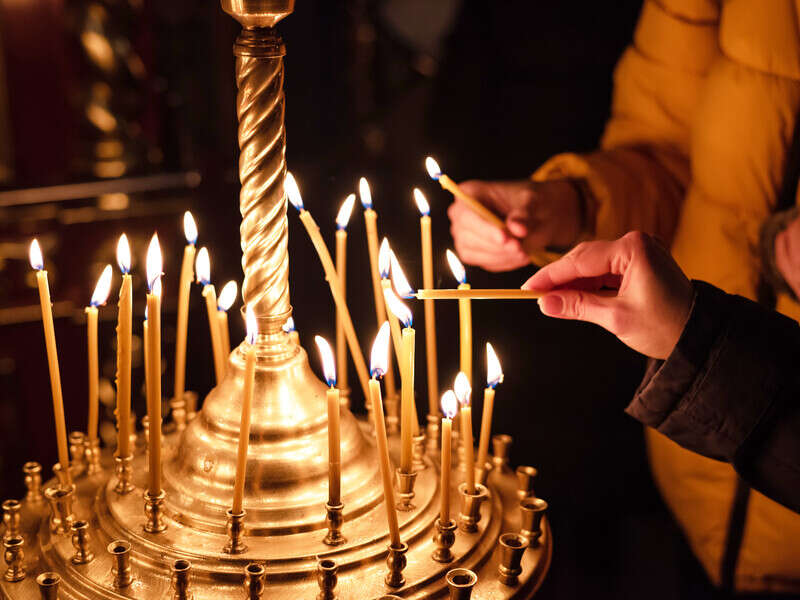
99,297
379,362
384,266
247,407
342,219
430,311
334,437
494,375
153,344
400,311
371,223
293,192
203,269
468,293
464,316
184,289
124,339
226,299
37,262
463,391
449,409
289,328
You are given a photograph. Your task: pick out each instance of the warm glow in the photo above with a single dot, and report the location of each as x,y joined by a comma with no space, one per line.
494,372
384,259
343,218
37,262
288,327
227,296
449,404
457,267
189,227
404,289
433,168
251,324
328,366
379,358
293,192
399,310
422,203
202,266
124,254
156,291
463,389
154,262
102,288
365,193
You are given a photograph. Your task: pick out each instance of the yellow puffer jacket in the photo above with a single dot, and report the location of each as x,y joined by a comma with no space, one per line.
704,107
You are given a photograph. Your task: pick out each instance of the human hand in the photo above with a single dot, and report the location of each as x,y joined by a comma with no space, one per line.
787,255
546,213
653,300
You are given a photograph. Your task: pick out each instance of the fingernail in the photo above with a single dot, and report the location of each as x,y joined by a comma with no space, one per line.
551,304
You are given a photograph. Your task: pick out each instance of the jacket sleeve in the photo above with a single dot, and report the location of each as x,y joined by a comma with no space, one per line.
730,391
639,176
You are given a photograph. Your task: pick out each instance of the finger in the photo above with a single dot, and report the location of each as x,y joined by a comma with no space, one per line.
516,222
492,194
474,250
467,219
584,306
589,259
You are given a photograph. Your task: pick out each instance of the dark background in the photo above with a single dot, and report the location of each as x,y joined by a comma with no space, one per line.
490,88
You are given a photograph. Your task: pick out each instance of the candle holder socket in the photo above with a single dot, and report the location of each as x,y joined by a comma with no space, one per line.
11,510
460,583
120,551
501,448
327,579
33,482
77,449
512,548
471,507
334,517
181,580
525,479
235,528
92,454
396,561
154,512
254,580
80,541
532,510
146,434
178,413
48,583
405,490
482,473
433,434
124,470
418,452
444,538
344,398
191,405
14,557
61,475
60,500
389,597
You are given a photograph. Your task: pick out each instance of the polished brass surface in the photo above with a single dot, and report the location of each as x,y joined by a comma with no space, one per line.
122,470
154,512
460,583
501,447
77,449
396,561
335,520
526,476
182,580
470,514
327,579
121,569
33,482
512,548
80,541
92,456
258,13
444,538
11,516
433,436
532,511
48,583
418,452
254,580
235,528
405,490
482,473
61,514
14,555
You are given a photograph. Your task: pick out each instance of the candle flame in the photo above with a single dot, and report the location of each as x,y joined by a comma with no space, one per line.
103,287
449,404
422,203
227,296
288,327
463,389
328,365
365,193
343,217
379,358
399,310
433,168
189,227
251,324
293,192
145,313
404,289
457,267
37,262
384,259
202,266
494,372
124,254
154,262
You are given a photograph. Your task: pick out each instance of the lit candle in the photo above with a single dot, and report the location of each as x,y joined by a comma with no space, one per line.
334,437
99,297
449,409
379,362
290,329
226,299
37,262
494,375
342,219
202,268
247,407
384,266
430,311
124,338
464,315
184,289
293,192
153,341
400,311
463,392
371,224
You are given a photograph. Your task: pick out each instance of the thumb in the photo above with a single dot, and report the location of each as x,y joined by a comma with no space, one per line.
516,222
582,306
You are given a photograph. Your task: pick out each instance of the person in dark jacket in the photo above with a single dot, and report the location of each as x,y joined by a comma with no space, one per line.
722,380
